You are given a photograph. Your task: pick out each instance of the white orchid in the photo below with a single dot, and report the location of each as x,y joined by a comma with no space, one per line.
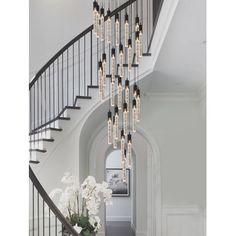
82,200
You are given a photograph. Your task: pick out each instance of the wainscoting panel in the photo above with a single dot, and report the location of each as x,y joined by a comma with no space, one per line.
183,221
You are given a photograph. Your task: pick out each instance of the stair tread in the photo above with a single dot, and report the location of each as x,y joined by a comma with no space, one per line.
37,150
34,162
92,86
83,97
46,129
147,54
42,139
63,118
73,107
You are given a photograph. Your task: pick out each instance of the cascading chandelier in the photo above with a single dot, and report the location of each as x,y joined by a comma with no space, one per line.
121,43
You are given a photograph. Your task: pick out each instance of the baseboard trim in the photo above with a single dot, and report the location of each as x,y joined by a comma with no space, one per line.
118,218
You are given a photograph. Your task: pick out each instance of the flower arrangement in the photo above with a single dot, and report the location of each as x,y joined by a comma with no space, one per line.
80,204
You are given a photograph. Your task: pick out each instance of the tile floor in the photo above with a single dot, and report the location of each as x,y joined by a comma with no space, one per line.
121,228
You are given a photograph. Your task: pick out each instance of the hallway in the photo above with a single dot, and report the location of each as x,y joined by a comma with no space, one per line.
118,228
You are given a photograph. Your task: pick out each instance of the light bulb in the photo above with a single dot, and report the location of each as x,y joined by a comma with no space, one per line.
109,127
112,92
127,93
121,61
95,17
100,80
116,123
126,30
138,103
119,103
134,115
125,118
129,151
129,54
136,24
137,47
114,133
102,24
117,29
104,60
113,62
97,21
108,26
141,39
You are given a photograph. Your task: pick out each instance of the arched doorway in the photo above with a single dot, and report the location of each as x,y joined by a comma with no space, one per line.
148,188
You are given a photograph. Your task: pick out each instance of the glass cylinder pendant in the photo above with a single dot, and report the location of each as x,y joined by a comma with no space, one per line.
122,145
113,62
137,47
97,21
116,123
100,80
124,172
109,127
135,90
112,92
127,93
134,115
104,60
108,23
117,29
129,151
126,30
129,54
102,24
125,118
138,103
95,17
141,39
119,103
114,134
121,61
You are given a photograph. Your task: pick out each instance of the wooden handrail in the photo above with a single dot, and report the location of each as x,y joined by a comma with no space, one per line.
50,203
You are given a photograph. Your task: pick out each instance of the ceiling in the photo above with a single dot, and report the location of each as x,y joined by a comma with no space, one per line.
181,65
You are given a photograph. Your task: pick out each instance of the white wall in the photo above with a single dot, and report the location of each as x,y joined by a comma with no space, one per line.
120,210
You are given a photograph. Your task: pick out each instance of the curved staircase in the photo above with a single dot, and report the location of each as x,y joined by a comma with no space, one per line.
65,91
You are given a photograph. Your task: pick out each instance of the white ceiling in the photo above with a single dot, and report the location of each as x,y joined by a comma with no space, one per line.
181,66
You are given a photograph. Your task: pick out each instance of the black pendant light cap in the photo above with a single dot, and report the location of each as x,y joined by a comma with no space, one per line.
100,64
119,80
117,16
125,106
129,42
125,152
104,57
109,115
126,83
137,20
135,87
95,5
134,102
129,137
126,17
102,11
140,27
122,133
137,34
109,13
138,92
121,48
113,51
116,109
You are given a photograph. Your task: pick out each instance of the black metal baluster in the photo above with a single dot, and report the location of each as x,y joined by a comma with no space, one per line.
45,99
43,218
73,86
38,211
79,67
33,207
55,226
41,98
34,111
85,65
147,23
49,222
38,108
62,82
49,96
30,119
91,59
58,86
53,103
67,77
